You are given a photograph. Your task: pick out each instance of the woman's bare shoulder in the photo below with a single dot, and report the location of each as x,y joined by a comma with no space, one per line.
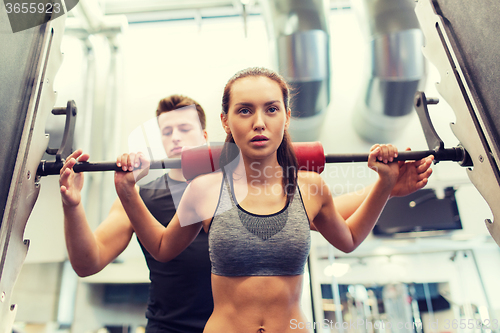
207,182
308,177
202,195
312,185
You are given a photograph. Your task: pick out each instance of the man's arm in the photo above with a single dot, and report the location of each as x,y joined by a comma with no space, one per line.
89,252
413,175
347,234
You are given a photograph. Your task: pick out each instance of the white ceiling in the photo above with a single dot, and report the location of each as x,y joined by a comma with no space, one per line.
154,10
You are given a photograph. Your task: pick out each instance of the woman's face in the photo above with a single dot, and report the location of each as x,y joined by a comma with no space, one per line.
257,117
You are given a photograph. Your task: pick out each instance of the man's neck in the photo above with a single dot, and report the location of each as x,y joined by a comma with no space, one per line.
176,174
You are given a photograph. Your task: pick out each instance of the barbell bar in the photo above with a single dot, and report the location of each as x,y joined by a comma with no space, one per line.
205,159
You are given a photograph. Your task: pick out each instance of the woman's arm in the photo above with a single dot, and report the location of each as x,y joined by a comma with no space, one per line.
347,234
163,243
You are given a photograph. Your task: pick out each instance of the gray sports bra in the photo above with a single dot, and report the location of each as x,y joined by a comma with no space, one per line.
243,244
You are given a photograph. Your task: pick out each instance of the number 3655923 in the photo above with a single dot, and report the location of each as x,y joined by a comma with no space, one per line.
32,8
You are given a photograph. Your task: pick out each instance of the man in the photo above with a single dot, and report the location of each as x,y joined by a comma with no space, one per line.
180,298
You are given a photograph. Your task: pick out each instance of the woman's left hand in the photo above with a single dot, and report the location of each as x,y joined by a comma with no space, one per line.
381,159
135,166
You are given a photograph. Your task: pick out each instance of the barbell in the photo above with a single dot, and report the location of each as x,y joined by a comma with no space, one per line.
205,159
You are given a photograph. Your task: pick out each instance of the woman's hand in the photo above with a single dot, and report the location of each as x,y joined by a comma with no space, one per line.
135,166
71,183
381,159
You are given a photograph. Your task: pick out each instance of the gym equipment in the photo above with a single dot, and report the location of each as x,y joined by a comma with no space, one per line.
29,60
461,41
204,159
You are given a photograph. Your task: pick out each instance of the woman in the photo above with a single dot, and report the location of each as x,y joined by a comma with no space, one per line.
258,220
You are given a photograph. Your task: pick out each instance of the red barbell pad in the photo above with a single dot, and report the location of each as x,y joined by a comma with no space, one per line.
205,159
197,161
310,156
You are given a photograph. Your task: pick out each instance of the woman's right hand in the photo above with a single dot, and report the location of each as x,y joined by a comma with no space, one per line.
134,167
71,183
381,159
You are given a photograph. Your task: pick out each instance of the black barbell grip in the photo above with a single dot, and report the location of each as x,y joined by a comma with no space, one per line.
455,154
174,163
363,157
53,168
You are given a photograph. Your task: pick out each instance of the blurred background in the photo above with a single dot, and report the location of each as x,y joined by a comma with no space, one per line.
355,66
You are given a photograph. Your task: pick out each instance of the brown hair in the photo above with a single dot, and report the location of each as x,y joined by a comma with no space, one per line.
285,153
174,102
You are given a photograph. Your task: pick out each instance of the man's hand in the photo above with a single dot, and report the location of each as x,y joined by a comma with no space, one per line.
413,175
71,183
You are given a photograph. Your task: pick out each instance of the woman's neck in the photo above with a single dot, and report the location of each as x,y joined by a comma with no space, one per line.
264,171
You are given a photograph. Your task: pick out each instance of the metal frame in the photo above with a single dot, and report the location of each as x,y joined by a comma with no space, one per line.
24,187
470,125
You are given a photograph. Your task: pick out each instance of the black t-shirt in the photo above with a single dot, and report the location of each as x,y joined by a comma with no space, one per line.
180,293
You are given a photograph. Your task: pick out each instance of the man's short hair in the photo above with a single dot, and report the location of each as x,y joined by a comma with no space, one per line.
174,102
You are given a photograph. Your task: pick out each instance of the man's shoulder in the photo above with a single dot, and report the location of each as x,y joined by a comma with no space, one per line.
152,184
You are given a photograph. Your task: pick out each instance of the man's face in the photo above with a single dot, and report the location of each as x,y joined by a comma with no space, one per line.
180,128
